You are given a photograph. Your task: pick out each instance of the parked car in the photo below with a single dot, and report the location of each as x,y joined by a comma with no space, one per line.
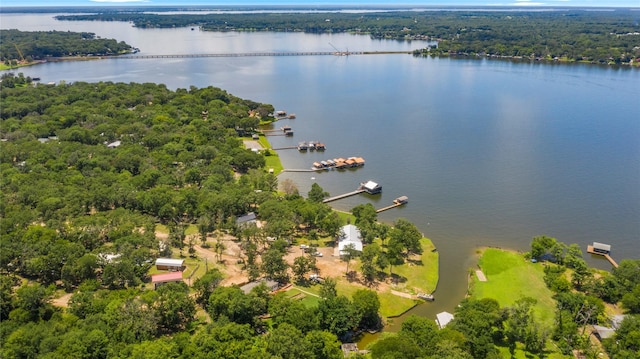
318,254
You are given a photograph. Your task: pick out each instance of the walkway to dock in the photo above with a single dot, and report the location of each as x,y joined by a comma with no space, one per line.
285,148
605,255
344,195
389,207
298,170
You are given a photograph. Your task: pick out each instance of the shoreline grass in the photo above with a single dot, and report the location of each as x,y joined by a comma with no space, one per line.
511,277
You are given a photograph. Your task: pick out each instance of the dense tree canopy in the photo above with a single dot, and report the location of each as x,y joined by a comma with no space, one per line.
39,45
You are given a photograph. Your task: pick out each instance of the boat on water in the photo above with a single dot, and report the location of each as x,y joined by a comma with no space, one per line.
303,146
426,296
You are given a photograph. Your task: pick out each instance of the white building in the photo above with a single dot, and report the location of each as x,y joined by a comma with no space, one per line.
349,234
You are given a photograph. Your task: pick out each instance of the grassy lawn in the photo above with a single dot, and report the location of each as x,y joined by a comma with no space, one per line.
509,278
390,305
272,161
422,275
520,353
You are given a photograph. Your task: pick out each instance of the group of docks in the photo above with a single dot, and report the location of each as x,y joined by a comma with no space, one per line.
371,188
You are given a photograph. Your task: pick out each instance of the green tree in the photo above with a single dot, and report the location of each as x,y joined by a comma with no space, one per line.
367,304
422,331
338,315
175,309
300,268
286,341
317,194
34,300
408,235
206,284
395,346
323,345
631,300
274,266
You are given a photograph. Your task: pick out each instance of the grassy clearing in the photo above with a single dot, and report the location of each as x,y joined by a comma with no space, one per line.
511,277
421,275
273,160
520,353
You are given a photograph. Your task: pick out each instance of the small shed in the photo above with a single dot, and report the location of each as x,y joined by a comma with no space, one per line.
603,332
271,284
601,248
170,264
443,318
164,278
114,144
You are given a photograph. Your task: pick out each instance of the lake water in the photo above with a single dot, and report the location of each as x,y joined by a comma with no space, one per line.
490,153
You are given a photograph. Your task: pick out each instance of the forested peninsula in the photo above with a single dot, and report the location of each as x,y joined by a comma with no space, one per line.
595,36
24,47
99,180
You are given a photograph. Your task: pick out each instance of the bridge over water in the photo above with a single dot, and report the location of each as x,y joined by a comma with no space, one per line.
245,54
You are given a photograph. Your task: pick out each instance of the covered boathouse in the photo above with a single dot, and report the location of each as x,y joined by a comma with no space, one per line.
601,248
371,187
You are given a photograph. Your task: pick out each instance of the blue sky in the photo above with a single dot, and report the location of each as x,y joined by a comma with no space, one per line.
563,3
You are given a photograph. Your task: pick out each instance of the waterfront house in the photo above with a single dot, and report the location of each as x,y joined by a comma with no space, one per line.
349,234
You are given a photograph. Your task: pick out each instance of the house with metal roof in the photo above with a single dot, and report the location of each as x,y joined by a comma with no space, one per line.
349,234
164,278
170,264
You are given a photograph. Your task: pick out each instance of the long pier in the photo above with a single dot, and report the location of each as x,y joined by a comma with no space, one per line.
256,54
344,195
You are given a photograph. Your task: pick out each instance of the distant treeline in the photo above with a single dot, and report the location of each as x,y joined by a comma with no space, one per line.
571,35
38,45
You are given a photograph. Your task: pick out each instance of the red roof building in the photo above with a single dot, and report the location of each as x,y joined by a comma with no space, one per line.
160,279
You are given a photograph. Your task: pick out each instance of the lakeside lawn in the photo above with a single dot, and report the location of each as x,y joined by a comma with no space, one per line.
511,277
421,275
415,276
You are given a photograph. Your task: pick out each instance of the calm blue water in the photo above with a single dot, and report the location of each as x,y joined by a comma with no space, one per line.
488,152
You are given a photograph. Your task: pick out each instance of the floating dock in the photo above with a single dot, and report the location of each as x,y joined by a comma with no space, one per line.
400,201
602,249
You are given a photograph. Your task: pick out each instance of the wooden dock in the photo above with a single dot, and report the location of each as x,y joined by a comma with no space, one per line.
605,255
402,200
344,195
389,207
285,148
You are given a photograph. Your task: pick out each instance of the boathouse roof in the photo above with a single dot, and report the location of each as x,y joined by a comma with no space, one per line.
443,318
602,246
